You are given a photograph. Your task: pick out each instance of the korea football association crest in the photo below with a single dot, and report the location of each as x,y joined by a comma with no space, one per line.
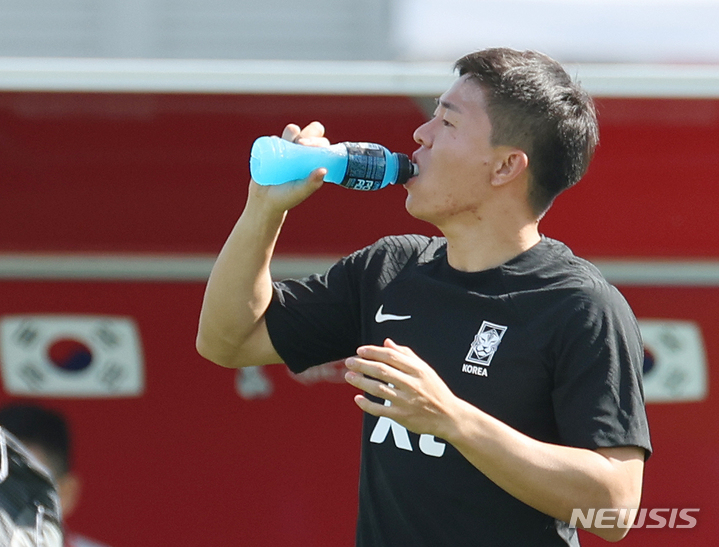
485,343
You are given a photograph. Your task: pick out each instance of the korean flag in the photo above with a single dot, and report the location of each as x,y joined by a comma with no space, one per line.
71,356
675,366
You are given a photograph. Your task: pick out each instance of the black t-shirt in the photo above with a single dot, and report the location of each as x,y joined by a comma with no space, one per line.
543,343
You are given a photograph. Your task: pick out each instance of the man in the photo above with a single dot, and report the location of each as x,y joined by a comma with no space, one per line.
29,506
501,374
46,436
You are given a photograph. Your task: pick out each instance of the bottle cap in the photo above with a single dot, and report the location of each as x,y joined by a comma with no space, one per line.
406,169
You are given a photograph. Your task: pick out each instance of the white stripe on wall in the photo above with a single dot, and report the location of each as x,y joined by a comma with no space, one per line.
324,77
192,268
196,268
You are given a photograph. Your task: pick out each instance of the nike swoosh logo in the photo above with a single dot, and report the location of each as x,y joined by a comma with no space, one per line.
381,317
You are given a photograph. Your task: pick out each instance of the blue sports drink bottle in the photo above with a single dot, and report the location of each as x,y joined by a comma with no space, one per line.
355,165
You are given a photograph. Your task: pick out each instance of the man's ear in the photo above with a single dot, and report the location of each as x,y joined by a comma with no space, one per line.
511,164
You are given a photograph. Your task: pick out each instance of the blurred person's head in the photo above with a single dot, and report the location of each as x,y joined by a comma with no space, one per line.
46,435
533,105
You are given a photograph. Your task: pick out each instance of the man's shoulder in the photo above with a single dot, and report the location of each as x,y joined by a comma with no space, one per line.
559,263
415,242
389,256
579,281
407,247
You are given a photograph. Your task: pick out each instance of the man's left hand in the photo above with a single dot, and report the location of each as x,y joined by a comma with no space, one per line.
418,398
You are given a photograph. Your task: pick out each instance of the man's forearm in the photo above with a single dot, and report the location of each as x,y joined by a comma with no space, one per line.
551,478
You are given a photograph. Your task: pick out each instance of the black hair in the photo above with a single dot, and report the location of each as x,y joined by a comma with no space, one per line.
534,105
42,427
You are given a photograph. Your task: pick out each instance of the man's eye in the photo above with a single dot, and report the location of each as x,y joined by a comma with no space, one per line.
446,123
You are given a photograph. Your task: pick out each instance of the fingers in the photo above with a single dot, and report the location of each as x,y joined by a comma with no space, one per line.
362,370
376,409
281,198
312,183
396,356
389,343
377,370
381,371
312,134
369,385
291,132
313,130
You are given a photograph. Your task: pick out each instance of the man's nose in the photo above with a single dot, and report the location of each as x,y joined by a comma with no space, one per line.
421,135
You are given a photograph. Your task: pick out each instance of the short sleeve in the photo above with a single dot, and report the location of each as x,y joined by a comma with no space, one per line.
316,319
598,396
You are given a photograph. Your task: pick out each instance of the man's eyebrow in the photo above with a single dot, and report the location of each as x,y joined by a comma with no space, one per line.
446,104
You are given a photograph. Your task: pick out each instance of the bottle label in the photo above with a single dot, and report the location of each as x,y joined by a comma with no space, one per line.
366,164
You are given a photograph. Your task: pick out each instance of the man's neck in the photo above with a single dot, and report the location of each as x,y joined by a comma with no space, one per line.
483,248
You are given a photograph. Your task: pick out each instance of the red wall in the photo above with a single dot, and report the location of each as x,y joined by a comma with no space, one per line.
191,462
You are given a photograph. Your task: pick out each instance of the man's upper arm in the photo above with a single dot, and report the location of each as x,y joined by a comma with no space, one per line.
257,349
598,397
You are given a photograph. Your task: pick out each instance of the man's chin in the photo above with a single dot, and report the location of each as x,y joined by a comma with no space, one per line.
413,208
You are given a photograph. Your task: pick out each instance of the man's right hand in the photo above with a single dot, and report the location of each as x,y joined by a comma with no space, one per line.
283,197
